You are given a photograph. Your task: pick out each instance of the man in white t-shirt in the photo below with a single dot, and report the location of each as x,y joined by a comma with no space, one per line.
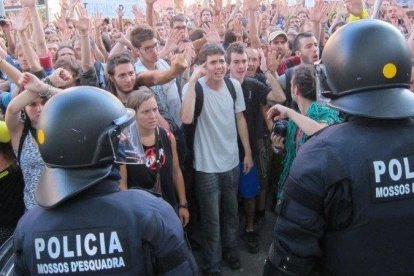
216,156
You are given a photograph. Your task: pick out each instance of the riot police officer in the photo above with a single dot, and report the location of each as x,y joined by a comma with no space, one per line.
348,205
84,224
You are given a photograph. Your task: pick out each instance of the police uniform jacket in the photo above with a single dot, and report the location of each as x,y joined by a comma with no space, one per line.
348,206
103,231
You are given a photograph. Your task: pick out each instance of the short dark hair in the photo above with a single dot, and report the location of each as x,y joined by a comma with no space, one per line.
236,47
63,47
112,63
304,78
206,9
297,41
210,49
177,18
141,34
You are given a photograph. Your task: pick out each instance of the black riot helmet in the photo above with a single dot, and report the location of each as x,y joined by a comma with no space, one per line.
366,71
78,134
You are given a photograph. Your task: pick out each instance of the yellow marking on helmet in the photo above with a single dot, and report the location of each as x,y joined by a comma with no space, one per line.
40,136
389,70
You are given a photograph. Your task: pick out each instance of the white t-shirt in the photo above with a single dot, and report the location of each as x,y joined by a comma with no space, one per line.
215,141
167,94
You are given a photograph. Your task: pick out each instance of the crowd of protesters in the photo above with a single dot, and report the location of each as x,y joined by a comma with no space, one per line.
207,154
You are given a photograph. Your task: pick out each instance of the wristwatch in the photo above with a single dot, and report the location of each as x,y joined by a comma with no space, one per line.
185,205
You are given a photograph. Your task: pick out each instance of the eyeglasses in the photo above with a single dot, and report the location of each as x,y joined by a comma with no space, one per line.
149,48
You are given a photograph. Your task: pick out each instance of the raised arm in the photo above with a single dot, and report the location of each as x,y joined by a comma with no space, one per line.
34,88
188,105
277,94
83,26
38,34
97,23
252,7
11,45
306,124
316,14
179,63
21,28
150,12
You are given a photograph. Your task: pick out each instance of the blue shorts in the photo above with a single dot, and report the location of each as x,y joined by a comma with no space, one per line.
249,185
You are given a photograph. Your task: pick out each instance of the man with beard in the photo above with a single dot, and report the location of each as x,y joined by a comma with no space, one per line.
306,47
123,79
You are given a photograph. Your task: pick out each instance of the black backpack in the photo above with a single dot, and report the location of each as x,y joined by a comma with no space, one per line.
199,101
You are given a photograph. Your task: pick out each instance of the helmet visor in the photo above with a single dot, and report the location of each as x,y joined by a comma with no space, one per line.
125,142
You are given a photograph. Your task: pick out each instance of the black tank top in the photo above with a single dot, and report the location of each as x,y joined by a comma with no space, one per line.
144,176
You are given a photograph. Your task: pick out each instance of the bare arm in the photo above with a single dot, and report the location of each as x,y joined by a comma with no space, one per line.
150,12
306,124
179,184
277,94
252,7
12,72
188,105
244,137
11,45
21,28
155,77
83,25
38,33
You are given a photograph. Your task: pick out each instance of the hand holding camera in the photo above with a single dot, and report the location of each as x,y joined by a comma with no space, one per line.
278,113
278,136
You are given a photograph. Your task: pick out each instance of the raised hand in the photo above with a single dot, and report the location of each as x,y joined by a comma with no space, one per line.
83,24
278,112
273,60
238,29
211,34
97,21
263,61
31,82
179,61
60,22
23,22
60,78
198,72
174,38
137,15
319,11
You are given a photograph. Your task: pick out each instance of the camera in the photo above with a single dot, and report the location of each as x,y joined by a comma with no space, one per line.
280,128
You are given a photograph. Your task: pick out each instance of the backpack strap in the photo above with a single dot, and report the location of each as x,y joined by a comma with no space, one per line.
199,100
232,90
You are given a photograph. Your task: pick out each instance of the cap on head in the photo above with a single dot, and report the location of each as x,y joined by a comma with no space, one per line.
277,33
366,70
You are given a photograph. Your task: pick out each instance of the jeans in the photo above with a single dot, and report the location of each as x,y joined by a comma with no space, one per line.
217,197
